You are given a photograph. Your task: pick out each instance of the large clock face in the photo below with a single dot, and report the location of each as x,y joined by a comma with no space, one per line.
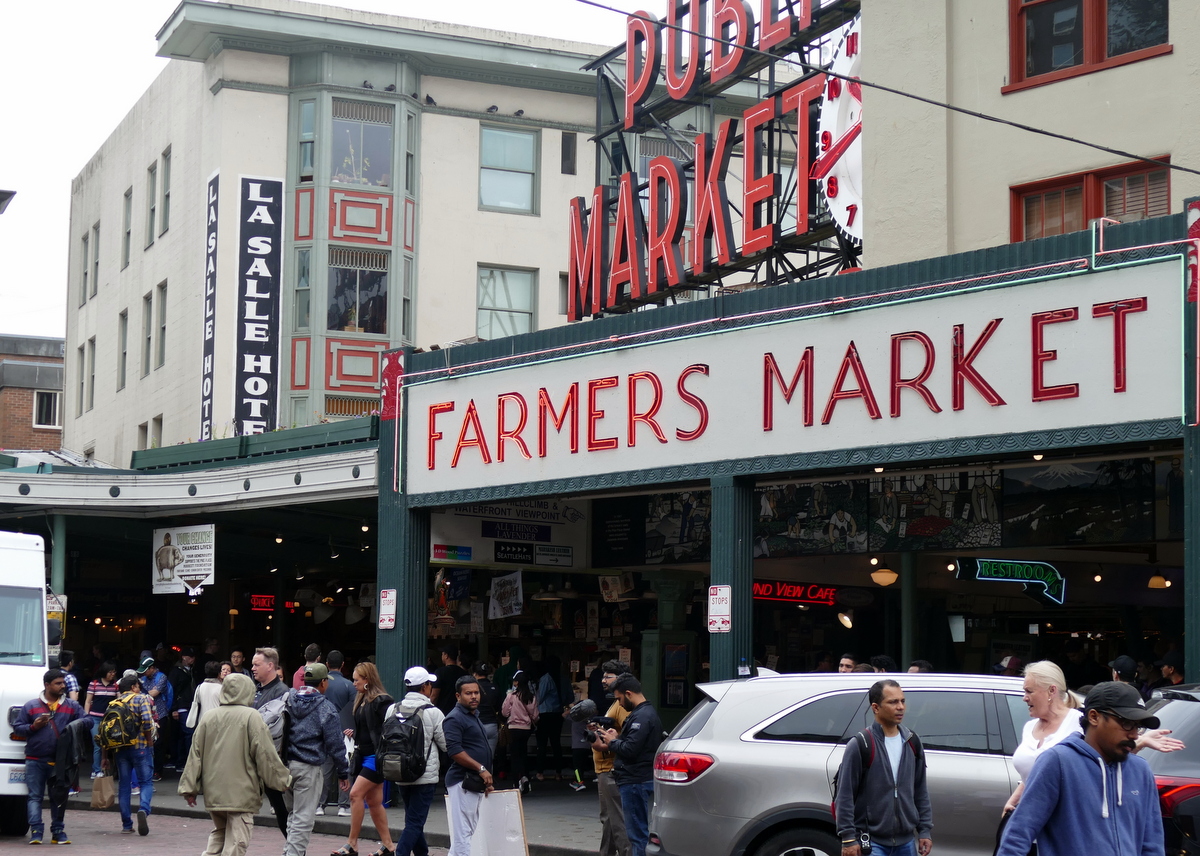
838,167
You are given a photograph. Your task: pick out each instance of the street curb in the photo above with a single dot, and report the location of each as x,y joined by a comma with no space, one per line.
332,826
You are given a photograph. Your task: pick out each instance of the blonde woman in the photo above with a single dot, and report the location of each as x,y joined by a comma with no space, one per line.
370,706
1053,714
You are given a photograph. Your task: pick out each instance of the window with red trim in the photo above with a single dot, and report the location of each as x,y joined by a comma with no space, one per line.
1054,39
1069,203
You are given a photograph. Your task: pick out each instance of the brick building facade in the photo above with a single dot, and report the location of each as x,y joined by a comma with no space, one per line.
31,384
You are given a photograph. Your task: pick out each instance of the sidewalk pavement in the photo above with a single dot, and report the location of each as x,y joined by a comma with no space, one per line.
558,820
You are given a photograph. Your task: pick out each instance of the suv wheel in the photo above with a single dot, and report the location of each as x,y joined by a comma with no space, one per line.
800,842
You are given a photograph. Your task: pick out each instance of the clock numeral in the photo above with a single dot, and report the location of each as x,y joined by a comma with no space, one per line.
835,87
826,140
852,44
851,211
831,187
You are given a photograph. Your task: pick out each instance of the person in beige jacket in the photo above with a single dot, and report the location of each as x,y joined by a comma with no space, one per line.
232,758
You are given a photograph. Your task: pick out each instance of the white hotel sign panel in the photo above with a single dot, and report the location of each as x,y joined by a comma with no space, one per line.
1091,349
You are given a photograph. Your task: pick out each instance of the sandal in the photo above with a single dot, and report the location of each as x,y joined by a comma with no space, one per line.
344,850
383,851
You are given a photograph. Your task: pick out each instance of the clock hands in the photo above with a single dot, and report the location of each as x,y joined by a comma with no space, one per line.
826,162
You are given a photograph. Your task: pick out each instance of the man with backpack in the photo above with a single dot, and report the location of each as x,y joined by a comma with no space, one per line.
412,729
126,734
269,701
881,795
312,732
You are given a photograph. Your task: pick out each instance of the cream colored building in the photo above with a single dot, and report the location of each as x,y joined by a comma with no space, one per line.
425,171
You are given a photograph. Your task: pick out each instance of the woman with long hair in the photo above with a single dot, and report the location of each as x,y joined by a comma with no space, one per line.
521,709
370,706
100,692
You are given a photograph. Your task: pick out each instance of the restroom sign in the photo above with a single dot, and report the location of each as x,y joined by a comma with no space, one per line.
720,609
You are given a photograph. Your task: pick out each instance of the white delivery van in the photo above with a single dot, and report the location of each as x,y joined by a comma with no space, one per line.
24,641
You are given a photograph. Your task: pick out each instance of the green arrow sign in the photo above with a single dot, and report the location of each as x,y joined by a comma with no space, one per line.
1042,582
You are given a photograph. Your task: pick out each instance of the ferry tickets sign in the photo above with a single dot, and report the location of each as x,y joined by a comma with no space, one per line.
1088,349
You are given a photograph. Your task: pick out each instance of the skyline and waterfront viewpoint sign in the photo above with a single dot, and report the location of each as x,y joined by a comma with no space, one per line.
260,258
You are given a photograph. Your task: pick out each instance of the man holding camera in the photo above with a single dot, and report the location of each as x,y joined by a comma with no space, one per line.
634,749
613,841
882,803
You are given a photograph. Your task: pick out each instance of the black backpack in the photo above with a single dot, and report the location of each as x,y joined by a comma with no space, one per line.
866,756
401,752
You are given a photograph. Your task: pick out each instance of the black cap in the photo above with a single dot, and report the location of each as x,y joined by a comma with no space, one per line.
1174,659
188,651
1122,700
1125,666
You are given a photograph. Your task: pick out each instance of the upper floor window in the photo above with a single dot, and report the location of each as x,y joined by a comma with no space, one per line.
160,350
358,291
300,307
95,258
361,143
46,409
127,217
166,192
306,135
85,270
410,153
1069,203
506,301
508,170
1054,39
151,201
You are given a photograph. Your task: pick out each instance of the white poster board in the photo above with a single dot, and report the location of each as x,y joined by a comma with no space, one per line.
183,559
501,827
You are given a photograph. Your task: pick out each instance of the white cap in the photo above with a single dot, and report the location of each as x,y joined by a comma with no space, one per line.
417,676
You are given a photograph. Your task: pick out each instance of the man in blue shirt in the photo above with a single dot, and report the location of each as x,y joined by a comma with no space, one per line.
340,693
468,747
40,722
155,684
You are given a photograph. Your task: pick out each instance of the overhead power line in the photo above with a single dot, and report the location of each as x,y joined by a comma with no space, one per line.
987,117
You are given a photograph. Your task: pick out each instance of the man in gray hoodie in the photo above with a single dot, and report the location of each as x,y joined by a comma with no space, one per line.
418,795
313,733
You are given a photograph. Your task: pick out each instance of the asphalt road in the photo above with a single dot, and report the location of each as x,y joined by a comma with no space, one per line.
98,833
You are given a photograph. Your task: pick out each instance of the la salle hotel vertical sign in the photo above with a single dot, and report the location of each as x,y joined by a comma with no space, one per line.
210,306
260,255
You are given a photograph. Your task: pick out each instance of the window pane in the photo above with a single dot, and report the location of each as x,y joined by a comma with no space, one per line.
1136,24
947,720
1033,217
372,301
506,289
1114,197
1053,36
46,409
1073,209
1053,203
509,190
491,324
343,297
825,720
1158,201
362,153
507,149
377,155
1135,197
306,160
303,309
307,113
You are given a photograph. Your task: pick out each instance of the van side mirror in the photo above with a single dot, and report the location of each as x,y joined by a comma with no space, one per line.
53,631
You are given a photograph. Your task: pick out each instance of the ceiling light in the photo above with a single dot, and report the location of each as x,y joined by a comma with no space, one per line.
299,574
879,469
341,589
847,619
951,567
333,551
278,539
366,527
1038,456
874,560
1097,578
234,611
1158,581
548,593
1168,583
273,570
803,607
884,576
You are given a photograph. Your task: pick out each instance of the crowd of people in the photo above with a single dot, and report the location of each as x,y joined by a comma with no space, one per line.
237,734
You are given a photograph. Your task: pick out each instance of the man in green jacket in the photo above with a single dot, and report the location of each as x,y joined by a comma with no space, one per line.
232,758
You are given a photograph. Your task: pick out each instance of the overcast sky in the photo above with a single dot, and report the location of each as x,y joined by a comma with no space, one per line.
70,70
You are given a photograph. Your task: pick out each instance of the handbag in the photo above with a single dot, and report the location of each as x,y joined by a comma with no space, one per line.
502,737
473,782
104,793
1000,834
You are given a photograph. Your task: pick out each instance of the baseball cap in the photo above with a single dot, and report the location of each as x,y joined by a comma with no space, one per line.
417,676
314,673
1174,659
1125,666
188,651
1122,700
145,665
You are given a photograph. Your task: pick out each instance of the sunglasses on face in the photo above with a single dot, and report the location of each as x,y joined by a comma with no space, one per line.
1125,724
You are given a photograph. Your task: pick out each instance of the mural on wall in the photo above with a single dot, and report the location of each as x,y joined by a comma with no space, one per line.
1168,497
935,511
650,530
811,519
1079,503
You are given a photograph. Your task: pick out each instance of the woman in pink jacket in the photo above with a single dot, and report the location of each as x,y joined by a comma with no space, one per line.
521,709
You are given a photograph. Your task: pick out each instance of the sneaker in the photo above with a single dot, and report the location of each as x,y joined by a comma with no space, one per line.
60,838
158,777
320,811
94,775
143,827
128,831
135,791
344,811
36,839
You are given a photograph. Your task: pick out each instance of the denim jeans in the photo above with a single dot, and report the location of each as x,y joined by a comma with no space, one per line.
908,848
635,805
38,776
129,761
417,800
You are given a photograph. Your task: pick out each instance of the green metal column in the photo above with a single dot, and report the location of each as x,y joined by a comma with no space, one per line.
908,609
402,564
58,554
733,565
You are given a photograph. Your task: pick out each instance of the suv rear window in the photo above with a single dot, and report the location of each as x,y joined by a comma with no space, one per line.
1183,718
691,724
947,720
822,721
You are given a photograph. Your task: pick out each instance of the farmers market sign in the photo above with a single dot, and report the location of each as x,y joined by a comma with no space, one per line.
1043,582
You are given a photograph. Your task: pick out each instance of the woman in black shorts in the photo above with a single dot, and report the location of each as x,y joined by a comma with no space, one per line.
370,705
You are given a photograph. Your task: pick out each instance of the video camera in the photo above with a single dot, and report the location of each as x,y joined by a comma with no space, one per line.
585,711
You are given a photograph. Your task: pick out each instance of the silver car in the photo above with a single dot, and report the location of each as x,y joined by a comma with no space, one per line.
748,771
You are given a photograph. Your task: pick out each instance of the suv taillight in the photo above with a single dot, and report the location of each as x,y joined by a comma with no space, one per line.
1174,790
681,766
